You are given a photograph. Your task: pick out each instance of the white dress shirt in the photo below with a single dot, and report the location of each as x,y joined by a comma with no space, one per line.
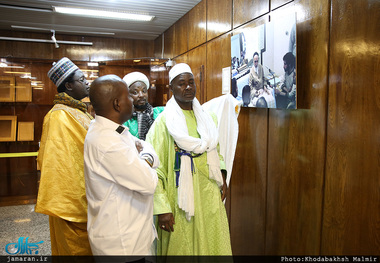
119,189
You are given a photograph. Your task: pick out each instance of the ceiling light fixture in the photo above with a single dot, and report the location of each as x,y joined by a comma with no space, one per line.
103,14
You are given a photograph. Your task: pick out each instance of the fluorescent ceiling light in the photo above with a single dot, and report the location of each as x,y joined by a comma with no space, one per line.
100,13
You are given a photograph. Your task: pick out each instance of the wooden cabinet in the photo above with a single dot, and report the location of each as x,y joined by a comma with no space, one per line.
8,128
23,90
25,131
15,89
7,89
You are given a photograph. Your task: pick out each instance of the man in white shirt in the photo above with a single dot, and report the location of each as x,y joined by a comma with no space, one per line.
120,175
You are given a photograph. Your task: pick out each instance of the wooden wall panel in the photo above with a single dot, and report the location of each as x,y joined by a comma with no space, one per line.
197,62
108,50
140,48
216,61
169,42
248,184
74,52
182,58
181,35
158,52
351,212
247,10
296,145
197,25
219,20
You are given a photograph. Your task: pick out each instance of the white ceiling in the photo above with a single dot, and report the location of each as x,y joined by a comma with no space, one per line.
38,14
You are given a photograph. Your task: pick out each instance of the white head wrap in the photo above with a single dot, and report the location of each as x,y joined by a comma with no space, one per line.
136,76
179,69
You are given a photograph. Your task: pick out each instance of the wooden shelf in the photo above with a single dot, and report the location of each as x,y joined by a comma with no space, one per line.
8,128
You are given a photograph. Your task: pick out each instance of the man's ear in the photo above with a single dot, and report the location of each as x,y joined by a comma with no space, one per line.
116,105
68,86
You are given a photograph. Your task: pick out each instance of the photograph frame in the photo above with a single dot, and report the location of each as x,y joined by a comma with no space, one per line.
263,64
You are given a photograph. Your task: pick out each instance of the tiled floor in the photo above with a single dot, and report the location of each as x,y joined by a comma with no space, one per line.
21,221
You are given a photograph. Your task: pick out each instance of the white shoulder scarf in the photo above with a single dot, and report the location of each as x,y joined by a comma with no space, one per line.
208,141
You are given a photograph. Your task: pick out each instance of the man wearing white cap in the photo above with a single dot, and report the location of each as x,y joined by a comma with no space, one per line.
61,193
191,217
144,114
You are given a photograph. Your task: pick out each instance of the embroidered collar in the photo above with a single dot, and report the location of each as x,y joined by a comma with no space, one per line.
63,98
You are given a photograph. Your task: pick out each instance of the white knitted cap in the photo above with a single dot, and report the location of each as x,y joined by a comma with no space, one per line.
179,69
136,76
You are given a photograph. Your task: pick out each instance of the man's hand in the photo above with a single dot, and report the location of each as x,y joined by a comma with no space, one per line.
224,187
139,146
166,222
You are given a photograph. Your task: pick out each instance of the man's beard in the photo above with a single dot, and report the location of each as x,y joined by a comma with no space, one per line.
141,107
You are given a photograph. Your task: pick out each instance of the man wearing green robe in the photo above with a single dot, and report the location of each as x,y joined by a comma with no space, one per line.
188,202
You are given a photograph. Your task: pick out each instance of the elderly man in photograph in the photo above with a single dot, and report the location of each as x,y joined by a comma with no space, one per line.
61,193
256,76
188,202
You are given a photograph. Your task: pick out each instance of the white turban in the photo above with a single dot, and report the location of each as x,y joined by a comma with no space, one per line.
179,69
136,76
